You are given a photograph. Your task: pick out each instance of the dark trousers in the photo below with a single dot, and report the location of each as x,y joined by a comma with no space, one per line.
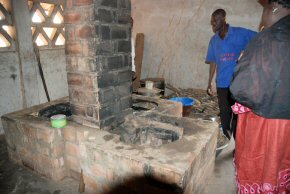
228,119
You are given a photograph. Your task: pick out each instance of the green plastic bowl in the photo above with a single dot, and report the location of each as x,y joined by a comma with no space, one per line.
58,121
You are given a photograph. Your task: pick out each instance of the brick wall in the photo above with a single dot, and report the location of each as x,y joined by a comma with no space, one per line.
98,50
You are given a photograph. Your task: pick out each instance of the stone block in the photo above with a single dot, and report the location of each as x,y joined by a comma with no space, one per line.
126,103
124,4
124,76
105,48
107,94
115,62
105,32
104,16
124,18
124,90
124,46
109,3
127,61
109,110
107,79
119,33
69,134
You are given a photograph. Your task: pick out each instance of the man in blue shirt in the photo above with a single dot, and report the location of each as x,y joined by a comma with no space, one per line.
223,52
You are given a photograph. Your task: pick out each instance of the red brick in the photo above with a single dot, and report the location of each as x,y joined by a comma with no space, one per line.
27,159
57,150
72,149
98,171
74,79
90,82
82,135
43,149
28,131
73,163
70,33
90,183
69,133
84,64
83,151
85,32
13,156
83,2
77,96
88,49
50,163
46,134
73,48
58,174
71,17
78,110
69,4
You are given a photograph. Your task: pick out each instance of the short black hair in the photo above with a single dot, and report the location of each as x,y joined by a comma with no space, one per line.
284,3
219,12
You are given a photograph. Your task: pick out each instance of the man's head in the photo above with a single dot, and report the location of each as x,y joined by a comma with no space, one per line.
218,20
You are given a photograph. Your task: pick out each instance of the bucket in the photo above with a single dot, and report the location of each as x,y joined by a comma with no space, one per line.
58,121
157,83
187,104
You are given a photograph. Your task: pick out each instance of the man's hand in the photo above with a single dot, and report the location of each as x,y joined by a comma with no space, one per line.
209,90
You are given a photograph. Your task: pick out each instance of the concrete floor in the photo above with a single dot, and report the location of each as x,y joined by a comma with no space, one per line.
17,180
223,179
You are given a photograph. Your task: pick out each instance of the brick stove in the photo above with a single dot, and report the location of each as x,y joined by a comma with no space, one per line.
98,51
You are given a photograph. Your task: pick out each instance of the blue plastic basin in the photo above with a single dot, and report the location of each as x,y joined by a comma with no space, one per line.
184,100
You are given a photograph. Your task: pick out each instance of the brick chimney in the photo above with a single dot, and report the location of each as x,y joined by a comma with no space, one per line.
98,57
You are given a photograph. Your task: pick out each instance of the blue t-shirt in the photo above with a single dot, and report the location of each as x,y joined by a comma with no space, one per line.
225,53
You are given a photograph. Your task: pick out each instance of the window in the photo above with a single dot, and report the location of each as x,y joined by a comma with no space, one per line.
7,31
47,23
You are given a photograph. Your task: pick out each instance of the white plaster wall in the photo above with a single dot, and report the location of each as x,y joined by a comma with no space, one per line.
10,89
177,33
54,68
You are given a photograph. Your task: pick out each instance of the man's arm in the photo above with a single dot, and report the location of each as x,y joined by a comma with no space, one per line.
212,70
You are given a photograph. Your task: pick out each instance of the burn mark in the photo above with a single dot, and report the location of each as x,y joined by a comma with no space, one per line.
149,158
148,170
13,76
108,137
119,147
